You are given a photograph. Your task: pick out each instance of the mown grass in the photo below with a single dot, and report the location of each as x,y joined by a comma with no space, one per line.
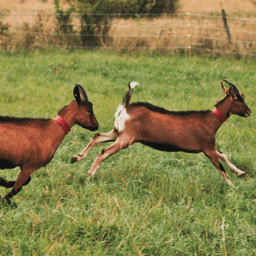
141,201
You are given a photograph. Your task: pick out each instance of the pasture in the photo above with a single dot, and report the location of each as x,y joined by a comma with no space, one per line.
141,201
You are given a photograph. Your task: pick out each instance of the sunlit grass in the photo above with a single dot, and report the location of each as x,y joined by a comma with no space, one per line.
141,201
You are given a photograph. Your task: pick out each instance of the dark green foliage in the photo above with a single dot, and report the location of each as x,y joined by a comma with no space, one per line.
96,16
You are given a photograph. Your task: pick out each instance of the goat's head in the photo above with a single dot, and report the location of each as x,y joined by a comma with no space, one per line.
84,116
239,107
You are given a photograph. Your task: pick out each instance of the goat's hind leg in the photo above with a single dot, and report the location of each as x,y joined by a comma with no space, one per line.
98,138
9,184
231,167
120,143
6,183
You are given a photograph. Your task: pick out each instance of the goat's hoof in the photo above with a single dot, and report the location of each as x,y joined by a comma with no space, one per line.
8,201
74,159
89,176
229,182
13,205
241,175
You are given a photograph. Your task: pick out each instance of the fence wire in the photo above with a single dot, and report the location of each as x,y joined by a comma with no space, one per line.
181,32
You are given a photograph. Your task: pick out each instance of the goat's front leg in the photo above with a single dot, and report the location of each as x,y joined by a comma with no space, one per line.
214,157
22,180
232,167
121,143
98,138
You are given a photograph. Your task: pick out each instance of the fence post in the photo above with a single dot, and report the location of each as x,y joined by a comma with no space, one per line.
189,45
226,24
189,36
0,34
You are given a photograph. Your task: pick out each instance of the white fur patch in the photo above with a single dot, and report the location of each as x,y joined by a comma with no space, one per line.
232,167
121,117
133,84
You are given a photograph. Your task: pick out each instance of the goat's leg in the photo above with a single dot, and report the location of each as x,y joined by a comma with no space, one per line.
232,167
6,183
9,184
22,180
98,138
121,143
214,157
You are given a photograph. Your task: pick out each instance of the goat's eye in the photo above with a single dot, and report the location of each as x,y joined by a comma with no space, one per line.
240,98
90,110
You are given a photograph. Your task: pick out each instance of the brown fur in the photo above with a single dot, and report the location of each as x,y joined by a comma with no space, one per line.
31,143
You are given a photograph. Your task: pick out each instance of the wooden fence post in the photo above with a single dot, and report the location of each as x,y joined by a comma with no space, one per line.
0,34
189,36
226,24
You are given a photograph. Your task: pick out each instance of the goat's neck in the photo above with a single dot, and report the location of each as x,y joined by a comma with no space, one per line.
224,107
68,113
56,132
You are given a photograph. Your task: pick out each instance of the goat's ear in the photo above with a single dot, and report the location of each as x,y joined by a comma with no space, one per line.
225,90
233,90
80,94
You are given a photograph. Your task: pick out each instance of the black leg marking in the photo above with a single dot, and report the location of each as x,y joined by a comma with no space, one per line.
28,180
10,195
222,168
10,184
13,192
6,183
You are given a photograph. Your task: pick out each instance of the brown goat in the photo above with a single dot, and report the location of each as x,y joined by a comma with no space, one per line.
31,143
187,131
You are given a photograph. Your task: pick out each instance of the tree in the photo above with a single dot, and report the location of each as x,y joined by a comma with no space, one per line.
96,15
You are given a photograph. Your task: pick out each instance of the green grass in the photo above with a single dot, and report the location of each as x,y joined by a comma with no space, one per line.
141,201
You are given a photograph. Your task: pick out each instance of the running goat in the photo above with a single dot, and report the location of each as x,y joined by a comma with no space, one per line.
187,131
31,143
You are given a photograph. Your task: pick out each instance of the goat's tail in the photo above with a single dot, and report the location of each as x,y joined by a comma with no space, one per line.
121,115
128,95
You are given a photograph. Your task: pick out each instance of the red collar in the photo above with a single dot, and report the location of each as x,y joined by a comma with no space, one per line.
63,124
219,115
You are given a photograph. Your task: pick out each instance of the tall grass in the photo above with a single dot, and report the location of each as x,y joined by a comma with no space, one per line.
165,34
141,201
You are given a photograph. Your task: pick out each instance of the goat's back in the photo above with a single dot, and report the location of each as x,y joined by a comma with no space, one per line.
25,140
180,130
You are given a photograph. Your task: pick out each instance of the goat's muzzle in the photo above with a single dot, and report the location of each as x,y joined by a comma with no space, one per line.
94,127
247,113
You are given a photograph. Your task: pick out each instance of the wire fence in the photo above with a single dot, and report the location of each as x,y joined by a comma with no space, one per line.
183,33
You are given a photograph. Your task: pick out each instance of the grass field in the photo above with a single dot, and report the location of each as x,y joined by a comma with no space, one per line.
141,201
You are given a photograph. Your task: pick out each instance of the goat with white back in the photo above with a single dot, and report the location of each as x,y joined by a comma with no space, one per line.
187,131
31,143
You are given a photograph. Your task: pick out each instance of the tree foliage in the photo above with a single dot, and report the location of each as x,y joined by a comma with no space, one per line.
96,15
